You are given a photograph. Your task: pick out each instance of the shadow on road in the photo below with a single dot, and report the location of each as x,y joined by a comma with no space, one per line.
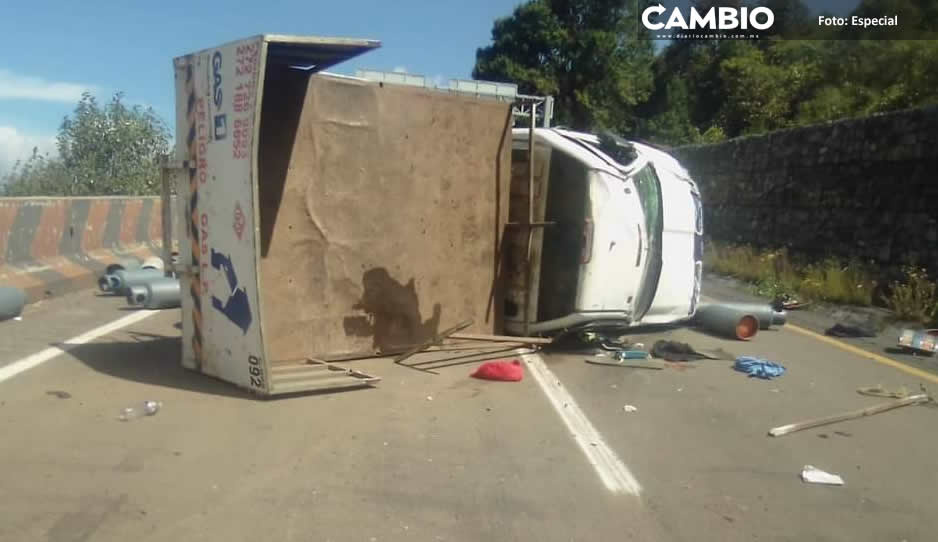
149,359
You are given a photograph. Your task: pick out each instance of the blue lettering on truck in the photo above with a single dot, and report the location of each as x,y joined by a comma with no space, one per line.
216,78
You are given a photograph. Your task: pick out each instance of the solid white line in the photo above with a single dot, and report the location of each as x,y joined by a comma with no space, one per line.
612,471
43,356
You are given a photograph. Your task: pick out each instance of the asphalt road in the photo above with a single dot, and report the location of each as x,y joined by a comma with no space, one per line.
447,457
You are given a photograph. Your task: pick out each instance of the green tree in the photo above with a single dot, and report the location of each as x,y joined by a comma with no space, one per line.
765,85
112,149
102,150
588,54
38,175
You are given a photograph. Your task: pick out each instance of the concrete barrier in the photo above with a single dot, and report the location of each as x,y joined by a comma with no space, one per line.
49,246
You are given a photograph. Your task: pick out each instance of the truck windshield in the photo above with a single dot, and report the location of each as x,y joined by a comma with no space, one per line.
649,192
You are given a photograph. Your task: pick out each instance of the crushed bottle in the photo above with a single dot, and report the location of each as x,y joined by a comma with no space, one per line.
146,408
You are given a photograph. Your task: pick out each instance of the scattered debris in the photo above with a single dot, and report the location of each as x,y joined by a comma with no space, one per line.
843,433
728,321
429,398
924,341
18,318
60,394
630,408
592,337
501,370
677,351
853,414
815,475
146,408
12,301
788,303
879,391
631,354
629,362
758,368
435,341
501,338
822,435
850,331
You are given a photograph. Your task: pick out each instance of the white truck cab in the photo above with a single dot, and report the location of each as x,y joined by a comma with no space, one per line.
617,236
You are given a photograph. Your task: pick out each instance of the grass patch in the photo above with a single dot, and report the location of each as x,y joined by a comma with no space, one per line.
774,274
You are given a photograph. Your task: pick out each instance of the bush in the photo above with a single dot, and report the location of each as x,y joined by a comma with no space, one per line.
916,298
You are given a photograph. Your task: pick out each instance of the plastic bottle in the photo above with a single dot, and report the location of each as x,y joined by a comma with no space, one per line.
146,408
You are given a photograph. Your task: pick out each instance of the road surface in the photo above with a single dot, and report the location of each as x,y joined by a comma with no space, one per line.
447,457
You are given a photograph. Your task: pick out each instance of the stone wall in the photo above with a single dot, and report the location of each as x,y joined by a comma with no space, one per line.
864,188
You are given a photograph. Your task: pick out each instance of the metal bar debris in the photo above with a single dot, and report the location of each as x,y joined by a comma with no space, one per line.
869,411
501,338
435,341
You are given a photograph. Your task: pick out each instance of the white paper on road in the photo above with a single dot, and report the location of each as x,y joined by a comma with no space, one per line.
817,476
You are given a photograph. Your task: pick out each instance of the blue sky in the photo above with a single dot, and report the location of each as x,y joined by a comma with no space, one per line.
54,50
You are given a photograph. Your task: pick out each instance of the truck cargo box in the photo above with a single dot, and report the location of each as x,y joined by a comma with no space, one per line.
328,215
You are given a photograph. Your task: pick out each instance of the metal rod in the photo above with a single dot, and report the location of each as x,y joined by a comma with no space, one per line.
852,415
501,338
166,214
436,340
529,220
531,225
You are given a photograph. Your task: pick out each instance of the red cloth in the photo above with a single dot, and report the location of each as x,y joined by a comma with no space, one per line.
504,370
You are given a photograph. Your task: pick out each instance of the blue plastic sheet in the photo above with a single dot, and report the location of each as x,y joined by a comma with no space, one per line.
759,368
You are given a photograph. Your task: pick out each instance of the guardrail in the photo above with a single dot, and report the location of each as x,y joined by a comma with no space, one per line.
50,246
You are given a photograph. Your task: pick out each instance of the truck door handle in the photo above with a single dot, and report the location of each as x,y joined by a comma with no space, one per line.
586,253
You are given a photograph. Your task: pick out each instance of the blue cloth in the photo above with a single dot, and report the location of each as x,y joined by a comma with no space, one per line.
758,368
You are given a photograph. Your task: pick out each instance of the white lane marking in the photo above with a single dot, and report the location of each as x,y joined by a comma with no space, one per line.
43,356
612,471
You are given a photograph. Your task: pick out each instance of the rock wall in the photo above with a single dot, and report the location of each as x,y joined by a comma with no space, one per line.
864,188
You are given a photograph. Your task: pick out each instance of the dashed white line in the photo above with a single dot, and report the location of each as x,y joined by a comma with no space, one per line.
45,355
611,470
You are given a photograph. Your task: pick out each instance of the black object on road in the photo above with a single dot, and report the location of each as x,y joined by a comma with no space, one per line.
850,331
677,351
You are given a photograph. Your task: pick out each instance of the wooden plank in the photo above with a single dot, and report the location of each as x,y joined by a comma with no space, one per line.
869,411
501,338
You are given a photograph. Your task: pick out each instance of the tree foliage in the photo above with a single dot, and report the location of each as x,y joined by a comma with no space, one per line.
743,87
603,75
102,150
585,53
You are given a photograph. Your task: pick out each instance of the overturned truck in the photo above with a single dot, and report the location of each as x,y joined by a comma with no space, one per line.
328,216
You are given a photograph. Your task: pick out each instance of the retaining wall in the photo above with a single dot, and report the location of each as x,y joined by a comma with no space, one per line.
50,246
862,188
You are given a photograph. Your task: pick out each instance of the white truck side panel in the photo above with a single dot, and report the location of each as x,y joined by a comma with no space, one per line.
216,129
